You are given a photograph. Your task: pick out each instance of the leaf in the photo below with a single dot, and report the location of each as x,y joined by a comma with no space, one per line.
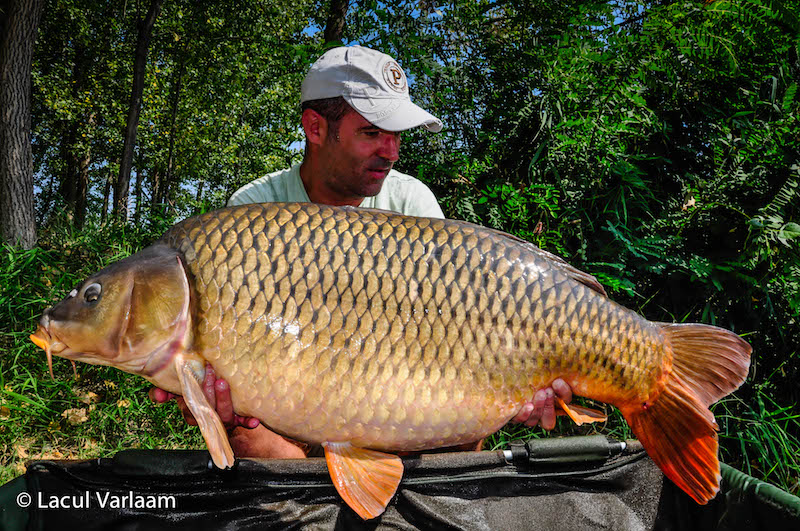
788,97
75,416
788,232
536,155
87,397
792,229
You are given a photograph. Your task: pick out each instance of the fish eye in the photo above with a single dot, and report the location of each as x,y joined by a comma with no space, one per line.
92,293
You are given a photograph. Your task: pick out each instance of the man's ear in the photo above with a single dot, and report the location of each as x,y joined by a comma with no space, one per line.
315,126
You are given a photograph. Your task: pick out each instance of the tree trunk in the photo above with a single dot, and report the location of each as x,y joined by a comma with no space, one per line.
106,197
155,194
198,197
176,94
66,188
334,27
75,148
47,198
82,182
163,191
122,185
137,194
17,38
137,191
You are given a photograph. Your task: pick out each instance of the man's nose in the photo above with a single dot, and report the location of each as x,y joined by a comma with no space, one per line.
390,147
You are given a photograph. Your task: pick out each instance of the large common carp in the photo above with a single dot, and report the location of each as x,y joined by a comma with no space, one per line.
371,332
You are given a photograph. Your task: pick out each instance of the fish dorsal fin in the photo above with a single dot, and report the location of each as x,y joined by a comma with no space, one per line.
365,479
214,433
580,415
571,271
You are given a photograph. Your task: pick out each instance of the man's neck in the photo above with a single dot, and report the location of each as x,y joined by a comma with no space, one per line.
317,191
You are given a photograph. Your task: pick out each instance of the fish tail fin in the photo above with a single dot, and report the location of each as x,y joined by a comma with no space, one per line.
676,427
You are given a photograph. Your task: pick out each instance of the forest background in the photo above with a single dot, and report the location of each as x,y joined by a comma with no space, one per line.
652,144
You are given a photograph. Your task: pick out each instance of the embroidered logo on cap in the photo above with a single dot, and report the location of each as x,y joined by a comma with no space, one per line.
394,76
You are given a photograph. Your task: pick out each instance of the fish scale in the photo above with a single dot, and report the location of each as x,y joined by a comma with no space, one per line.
372,315
366,330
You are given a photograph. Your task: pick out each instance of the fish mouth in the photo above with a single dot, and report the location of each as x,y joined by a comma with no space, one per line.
42,339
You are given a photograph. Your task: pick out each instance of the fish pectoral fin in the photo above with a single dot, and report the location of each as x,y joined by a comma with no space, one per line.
208,421
580,415
365,479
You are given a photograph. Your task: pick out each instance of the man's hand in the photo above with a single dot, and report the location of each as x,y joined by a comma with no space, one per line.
218,394
541,410
247,436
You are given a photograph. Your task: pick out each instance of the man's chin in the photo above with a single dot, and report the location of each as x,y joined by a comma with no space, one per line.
372,186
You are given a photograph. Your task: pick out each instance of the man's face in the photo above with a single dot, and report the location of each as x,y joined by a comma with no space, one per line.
360,159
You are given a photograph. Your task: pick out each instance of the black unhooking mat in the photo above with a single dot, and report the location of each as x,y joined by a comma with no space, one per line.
572,483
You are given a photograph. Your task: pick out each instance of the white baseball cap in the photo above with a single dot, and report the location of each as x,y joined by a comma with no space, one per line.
372,83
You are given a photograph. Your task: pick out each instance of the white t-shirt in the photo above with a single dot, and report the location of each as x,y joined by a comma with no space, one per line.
400,193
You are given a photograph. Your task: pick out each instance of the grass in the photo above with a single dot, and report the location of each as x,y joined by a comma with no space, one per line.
102,411
99,413
105,410
760,436
615,427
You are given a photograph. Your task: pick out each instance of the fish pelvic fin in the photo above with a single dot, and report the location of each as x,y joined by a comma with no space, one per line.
365,479
580,415
676,427
214,433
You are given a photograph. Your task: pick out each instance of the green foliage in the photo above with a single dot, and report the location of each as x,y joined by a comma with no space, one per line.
761,434
103,410
651,144
219,109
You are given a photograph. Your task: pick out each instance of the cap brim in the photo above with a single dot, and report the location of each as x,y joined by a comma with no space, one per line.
407,115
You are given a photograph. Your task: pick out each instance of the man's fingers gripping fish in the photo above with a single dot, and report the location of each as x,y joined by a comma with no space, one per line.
371,332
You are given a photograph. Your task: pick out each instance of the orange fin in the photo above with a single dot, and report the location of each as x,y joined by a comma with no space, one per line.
676,427
580,415
190,375
712,361
365,479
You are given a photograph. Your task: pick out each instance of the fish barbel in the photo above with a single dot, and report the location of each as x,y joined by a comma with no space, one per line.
370,332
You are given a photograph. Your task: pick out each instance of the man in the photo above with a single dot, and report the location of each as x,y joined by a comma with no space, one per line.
355,103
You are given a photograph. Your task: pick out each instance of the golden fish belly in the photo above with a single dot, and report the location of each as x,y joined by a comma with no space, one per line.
398,333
